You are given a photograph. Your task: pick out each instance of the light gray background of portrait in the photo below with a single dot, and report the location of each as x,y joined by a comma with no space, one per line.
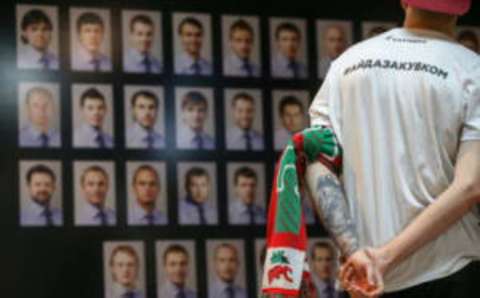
209,126
108,247
23,88
51,12
160,167
227,21
259,168
259,245
240,279
476,30
156,17
258,99
55,166
161,246
75,12
277,95
367,26
106,90
322,25
78,168
205,20
301,25
210,167
129,90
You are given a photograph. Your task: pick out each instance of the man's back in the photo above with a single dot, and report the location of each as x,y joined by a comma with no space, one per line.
400,103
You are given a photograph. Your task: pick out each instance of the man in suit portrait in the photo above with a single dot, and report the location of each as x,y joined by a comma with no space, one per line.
292,118
242,135
190,61
91,35
38,211
469,39
124,267
243,208
94,183
40,111
176,263
191,134
285,62
36,38
91,134
226,263
138,57
239,61
196,208
335,43
142,133
323,269
146,188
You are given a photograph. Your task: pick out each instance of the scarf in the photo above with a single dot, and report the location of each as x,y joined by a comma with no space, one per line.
286,272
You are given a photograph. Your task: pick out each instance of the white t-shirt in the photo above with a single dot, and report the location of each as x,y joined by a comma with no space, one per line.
400,104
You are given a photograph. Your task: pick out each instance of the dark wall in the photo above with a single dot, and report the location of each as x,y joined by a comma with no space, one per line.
67,261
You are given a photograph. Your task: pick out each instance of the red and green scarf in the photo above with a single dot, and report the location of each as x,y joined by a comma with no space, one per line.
286,272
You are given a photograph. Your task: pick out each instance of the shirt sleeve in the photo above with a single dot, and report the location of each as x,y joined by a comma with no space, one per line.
319,109
471,125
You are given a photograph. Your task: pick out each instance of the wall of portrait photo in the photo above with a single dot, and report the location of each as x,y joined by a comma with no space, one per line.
140,138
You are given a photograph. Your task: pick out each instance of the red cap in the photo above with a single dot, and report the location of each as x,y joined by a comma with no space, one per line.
451,7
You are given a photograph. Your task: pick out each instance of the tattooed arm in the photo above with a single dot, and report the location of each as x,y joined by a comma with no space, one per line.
330,204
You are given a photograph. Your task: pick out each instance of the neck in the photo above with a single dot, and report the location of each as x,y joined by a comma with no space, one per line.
148,207
418,19
41,127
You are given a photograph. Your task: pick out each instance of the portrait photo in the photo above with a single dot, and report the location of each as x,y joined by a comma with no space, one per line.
39,115
90,39
142,41
246,193
92,110
333,38
241,46
144,108
288,48
40,193
176,269
374,28
469,37
322,257
147,193
195,118
260,255
290,115
124,269
197,193
192,39
94,193
226,268
244,128
37,37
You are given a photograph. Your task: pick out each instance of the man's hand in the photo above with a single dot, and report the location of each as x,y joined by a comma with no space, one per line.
362,274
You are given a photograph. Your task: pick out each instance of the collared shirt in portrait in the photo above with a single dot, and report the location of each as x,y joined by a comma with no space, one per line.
282,136
86,136
187,65
222,289
238,67
282,67
239,139
90,215
29,57
325,289
85,61
139,216
119,291
169,290
239,213
35,214
187,138
30,136
134,61
140,137
190,212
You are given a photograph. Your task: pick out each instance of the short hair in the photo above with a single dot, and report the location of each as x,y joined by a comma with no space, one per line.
194,172
322,244
289,100
194,98
94,168
91,93
144,93
244,171
241,25
145,168
140,18
174,248
336,26
190,21
37,89
127,249
468,35
40,169
242,96
225,245
287,26
33,17
89,18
